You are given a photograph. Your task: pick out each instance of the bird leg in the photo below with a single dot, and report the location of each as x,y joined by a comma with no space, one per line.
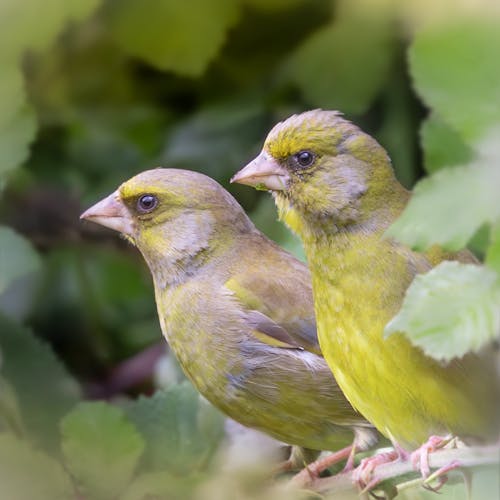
420,461
312,471
364,476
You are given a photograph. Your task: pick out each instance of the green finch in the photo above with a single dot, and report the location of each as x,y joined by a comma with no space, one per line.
334,186
236,309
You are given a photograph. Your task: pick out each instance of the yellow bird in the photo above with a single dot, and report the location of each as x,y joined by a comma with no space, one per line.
335,187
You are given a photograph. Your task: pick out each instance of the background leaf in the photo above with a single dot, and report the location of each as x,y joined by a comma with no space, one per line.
26,474
17,257
331,76
442,146
44,389
467,93
451,310
451,205
180,429
101,448
172,34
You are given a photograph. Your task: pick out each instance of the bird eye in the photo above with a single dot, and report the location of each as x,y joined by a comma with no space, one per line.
304,158
146,203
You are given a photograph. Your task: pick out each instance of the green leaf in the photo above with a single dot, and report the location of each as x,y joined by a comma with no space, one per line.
344,65
451,205
181,430
34,24
17,257
161,485
451,310
101,448
455,69
272,5
493,254
16,135
44,389
26,474
10,414
173,34
443,146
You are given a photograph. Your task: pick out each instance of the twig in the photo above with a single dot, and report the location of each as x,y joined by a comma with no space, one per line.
473,456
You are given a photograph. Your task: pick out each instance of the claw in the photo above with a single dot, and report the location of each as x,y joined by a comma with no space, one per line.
363,474
440,475
420,457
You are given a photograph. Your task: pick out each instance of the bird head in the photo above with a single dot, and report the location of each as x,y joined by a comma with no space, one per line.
171,215
319,165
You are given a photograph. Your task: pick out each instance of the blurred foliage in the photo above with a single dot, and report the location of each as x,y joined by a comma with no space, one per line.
94,91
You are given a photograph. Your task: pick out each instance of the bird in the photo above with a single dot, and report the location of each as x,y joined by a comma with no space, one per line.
334,186
236,309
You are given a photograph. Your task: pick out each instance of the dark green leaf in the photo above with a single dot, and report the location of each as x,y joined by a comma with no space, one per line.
44,389
17,257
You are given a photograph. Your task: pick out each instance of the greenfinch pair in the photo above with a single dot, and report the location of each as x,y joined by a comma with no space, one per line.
238,311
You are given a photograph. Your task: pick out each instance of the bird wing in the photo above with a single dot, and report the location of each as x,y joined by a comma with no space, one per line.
278,314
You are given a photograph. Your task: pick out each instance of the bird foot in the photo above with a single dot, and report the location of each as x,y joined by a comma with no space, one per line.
420,457
363,476
312,471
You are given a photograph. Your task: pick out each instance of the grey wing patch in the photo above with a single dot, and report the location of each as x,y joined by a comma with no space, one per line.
278,336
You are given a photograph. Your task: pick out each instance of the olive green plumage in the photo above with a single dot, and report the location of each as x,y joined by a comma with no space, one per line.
334,186
236,309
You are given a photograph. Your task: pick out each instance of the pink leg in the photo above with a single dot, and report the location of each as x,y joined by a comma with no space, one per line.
314,469
363,475
420,457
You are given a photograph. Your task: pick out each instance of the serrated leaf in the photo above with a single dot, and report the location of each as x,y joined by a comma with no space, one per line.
344,65
173,34
442,146
451,310
101,447
451,205
17,257
455,69
181,430
44,389
26,474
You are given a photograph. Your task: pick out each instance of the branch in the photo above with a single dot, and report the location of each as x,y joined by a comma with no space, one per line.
468,457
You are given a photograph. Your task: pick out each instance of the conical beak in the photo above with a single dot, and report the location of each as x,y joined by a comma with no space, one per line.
264,172
110,212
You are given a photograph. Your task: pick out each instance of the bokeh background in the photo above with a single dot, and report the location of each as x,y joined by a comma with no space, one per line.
95,91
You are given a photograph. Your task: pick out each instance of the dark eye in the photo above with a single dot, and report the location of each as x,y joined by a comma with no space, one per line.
146,203
304,158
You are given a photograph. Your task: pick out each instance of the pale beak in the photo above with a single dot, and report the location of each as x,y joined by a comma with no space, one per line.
263,172
111,212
